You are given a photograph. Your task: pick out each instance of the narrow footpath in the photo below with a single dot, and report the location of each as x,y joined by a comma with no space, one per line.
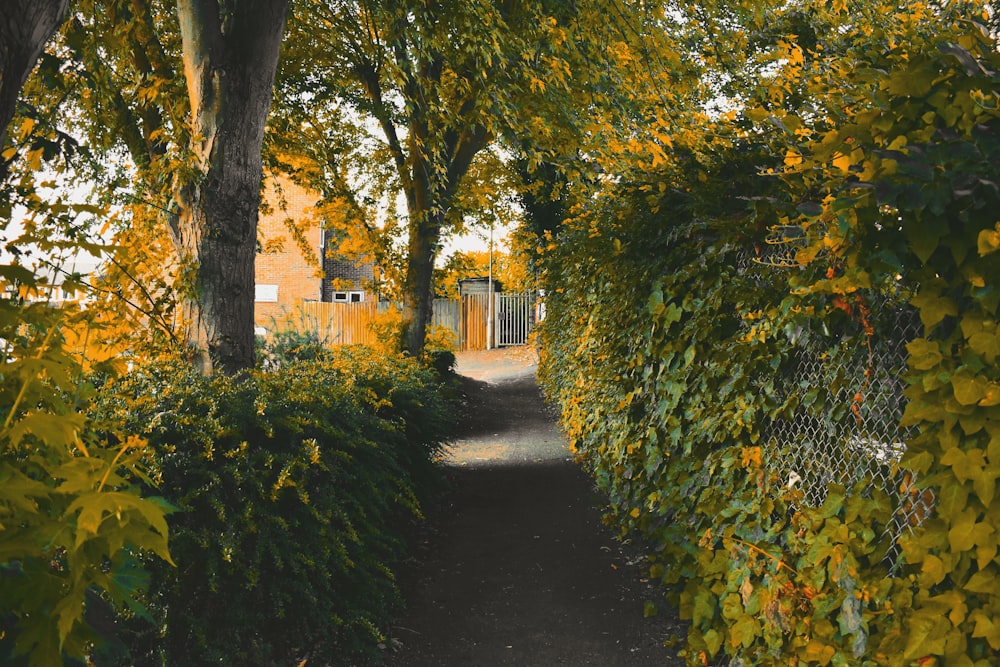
516,567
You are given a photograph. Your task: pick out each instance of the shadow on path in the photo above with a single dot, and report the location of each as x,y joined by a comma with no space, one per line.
518,568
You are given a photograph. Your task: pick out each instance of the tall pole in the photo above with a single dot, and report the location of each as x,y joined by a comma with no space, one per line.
489,296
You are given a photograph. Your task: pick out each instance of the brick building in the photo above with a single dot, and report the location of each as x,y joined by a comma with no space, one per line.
295,262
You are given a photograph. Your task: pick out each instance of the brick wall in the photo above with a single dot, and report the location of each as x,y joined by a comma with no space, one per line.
284,274
345,274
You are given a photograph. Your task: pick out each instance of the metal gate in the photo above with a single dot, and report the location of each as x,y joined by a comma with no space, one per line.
514,317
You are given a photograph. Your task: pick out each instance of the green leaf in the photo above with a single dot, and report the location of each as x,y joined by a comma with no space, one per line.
68,612
672,314
952,498
969,389
912,82
127,579
20,490
924,354
655,304
933,308
987,344
744,631
924,239
926,635
713,641
704,607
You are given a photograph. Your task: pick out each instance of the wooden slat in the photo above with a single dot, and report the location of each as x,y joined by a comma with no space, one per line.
342,323
474,319
347,323
447,313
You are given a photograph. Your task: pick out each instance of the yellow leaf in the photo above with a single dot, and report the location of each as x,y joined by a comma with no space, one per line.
954,602
792,158
986,628
746,590
991,396
842,162
751,457
35,159
26,128
989,241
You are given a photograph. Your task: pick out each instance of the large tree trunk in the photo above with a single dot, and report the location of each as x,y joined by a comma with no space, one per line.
229,65
25,27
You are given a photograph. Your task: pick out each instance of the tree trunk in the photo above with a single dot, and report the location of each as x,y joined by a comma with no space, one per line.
418,290
25,27
229,65
428,202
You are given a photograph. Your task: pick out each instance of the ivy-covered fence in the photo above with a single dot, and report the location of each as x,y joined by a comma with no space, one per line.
856,436
693,383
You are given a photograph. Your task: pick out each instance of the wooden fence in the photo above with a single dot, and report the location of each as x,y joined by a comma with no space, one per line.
473,327
340,323
468,318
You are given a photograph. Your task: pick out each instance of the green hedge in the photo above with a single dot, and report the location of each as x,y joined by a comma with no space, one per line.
293,487
666,349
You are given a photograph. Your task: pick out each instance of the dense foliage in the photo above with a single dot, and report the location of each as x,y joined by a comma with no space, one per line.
676,304
73,518
292,488
713,186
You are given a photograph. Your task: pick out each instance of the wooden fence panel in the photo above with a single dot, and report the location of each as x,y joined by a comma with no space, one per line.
475,314
341,323
348,323
447,313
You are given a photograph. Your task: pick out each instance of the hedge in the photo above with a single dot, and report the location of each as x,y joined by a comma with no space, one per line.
292,488
672,328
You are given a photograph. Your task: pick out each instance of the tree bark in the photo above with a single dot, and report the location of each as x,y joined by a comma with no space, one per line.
418,288
25,27
229,65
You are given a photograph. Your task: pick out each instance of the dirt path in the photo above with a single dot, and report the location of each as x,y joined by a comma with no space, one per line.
517,568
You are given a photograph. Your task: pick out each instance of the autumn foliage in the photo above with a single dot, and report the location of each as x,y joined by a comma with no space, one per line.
860,171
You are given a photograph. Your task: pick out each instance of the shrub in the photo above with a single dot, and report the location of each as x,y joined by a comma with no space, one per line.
292,487
72,521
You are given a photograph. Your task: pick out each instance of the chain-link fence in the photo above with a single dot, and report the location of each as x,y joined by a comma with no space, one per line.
844,398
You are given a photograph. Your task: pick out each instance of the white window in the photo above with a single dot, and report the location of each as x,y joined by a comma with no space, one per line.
348,297
266,293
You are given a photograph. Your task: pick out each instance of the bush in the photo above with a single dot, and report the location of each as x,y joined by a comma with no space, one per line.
72,519
292,487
